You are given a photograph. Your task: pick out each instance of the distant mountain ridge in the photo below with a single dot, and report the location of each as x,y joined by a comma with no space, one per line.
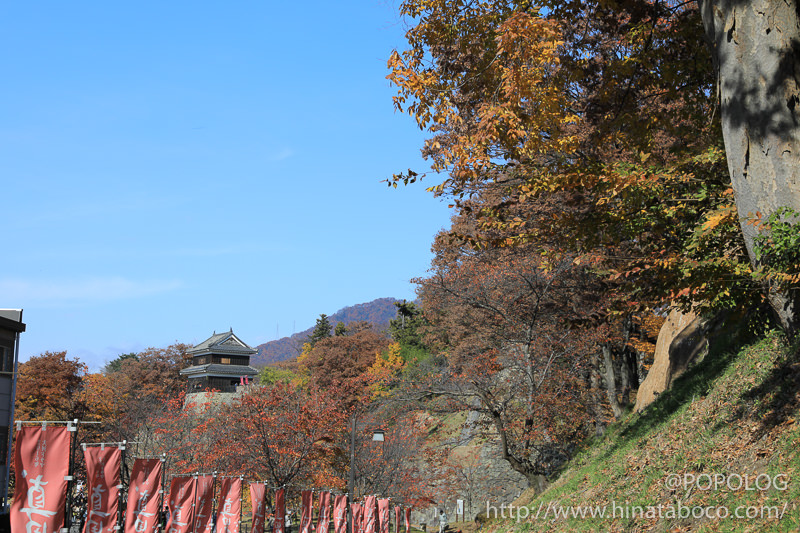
377,312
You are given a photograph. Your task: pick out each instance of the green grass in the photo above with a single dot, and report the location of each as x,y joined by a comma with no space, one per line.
730,415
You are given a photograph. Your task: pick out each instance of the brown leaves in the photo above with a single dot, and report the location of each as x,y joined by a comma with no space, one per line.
48,388
283,433
340,363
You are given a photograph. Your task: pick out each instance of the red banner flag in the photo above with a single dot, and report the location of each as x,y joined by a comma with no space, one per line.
383,515
182,492
143,495
324,518
370,514
408,519
102,475
204,505
229,505
280,511
41,462
306,508
258,502
358,518
397,512
340,514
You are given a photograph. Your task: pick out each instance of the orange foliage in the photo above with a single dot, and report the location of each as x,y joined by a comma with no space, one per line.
48,388
282,433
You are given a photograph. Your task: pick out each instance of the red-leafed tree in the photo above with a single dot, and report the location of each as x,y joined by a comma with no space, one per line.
509,322
284,433
182,430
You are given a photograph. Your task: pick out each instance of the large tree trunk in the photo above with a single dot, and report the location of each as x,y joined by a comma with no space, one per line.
610,381
596,401
756,49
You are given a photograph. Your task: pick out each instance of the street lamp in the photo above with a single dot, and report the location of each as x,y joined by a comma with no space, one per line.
379,436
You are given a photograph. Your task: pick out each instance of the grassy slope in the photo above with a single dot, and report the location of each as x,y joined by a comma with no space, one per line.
731,414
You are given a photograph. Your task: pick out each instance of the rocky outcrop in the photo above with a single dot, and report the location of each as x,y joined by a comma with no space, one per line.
480,475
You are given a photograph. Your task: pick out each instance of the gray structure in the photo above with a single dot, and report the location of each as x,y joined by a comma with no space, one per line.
10,327
221,362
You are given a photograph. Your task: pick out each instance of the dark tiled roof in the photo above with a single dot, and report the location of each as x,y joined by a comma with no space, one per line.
223,343
217,369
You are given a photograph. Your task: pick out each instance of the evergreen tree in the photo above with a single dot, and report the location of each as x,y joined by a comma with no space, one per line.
322,330
340,330
116,364
406,328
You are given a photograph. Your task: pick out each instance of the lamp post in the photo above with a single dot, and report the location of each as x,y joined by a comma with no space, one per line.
351,482
377,435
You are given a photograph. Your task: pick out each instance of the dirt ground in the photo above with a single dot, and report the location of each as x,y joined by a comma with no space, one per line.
455,527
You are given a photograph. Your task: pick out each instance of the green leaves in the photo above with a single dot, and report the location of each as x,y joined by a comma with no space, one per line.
777,249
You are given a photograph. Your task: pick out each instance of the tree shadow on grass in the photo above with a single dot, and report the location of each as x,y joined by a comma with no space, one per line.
776,399
697,381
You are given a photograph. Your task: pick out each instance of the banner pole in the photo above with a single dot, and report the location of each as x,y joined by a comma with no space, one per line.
194,503
163,487
214,509
73,428
122,449
351,479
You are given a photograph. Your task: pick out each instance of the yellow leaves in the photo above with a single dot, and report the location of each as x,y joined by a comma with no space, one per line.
436,188
512,57
713,221
724,214
385,369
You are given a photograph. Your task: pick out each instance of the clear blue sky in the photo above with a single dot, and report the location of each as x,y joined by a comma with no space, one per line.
174,168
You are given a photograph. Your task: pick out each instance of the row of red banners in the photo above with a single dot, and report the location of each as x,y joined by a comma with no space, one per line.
372,516
42,457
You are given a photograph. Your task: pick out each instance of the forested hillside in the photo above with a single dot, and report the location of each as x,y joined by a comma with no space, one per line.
377,312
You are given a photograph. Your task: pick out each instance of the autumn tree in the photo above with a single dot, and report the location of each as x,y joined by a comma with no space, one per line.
283,433
108,404
183,431
466,476
270,375
49,386
514,351
401,465
600,111
339,363
130,389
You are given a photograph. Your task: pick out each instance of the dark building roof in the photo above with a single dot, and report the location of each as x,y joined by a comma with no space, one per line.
218,370
11,319
222,343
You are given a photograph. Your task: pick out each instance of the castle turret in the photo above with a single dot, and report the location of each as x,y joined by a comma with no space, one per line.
221,362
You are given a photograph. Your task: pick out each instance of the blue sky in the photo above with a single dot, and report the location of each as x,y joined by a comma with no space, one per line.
174,168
